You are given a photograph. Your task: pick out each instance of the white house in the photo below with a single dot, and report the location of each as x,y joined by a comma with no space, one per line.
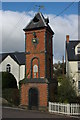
73,62
13,63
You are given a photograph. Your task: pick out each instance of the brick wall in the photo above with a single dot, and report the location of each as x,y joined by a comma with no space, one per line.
39,52
42,93
49,55
35,52
41,58
44,61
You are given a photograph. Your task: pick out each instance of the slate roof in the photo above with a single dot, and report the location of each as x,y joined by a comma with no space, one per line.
19,57
70,48
38,22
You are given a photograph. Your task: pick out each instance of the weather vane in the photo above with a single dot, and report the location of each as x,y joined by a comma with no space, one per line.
39,7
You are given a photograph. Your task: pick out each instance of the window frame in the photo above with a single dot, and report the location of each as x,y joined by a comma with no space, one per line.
35,70
8,68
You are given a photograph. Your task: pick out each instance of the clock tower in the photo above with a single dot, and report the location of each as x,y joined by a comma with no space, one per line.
38,83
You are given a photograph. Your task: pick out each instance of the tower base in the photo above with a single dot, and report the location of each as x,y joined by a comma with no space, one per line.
35,93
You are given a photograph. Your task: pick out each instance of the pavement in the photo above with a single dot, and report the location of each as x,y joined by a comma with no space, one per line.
9,112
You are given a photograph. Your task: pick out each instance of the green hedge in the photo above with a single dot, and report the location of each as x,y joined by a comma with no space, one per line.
11,95
8,80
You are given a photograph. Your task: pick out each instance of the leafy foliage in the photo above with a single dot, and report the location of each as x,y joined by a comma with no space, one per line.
11,95
9,88
8,80
66,91
58,69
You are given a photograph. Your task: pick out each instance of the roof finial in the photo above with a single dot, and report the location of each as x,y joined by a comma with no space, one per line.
39,7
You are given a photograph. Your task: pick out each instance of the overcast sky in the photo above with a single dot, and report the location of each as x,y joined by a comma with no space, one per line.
14,20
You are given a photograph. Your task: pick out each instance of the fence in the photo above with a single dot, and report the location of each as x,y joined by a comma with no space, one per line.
69,109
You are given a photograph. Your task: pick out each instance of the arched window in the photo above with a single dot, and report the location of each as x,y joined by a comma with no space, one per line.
35,68
8,68
35,71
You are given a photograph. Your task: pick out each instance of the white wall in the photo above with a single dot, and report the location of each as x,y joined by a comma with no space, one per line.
22,72
67,65
73,72
16,70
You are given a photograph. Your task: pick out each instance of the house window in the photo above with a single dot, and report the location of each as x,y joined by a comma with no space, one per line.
35,71
79,66
79,85
78,49
8,68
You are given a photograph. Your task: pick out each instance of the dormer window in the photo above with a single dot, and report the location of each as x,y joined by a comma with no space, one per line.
78,50
35,20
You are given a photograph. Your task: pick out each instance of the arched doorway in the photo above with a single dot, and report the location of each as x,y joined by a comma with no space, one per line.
33,98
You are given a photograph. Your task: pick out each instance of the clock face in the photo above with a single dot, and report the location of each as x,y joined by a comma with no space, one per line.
34,40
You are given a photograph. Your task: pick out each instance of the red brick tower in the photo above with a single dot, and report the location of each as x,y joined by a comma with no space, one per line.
35,89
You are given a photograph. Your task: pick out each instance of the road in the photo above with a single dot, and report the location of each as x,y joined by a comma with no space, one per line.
21,113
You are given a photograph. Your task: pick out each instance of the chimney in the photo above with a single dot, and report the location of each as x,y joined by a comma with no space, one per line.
67,38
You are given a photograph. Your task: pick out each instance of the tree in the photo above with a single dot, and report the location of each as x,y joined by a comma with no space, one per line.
10,91
66,91
8,80
59,68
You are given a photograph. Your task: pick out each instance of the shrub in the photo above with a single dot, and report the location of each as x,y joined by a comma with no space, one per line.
66,91
8,80
11,95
